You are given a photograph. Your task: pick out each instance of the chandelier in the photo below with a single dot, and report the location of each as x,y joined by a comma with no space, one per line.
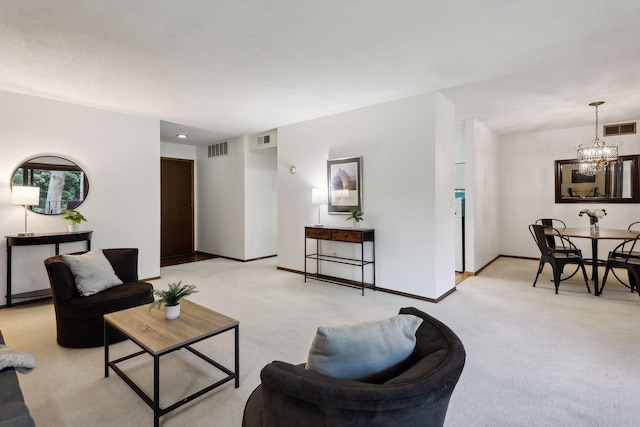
595,158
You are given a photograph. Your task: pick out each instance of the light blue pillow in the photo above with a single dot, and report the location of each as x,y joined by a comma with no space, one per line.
93,272
363,351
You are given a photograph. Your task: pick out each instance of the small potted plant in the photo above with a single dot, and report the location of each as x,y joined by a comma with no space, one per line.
74,218
356,217
171,298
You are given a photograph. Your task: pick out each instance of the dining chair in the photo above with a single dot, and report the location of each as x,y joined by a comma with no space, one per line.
634,226
565,253
625,256
559,225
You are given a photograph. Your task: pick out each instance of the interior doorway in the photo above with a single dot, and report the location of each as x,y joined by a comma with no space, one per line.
177,210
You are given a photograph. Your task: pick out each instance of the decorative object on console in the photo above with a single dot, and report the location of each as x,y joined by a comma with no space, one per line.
171,298
74,217
319,197
594,216
356,216
595,158
25,195
344,178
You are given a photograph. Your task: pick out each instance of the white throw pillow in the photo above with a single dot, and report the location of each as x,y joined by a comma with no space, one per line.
363,351
93,272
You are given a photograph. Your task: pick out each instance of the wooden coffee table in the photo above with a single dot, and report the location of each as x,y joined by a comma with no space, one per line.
158,336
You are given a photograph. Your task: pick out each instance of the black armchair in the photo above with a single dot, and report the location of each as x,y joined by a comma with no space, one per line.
79,321
419,395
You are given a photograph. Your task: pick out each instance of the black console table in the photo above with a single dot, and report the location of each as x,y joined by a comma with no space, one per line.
40,239
341,234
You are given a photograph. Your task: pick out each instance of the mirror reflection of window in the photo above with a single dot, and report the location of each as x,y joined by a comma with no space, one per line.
63,184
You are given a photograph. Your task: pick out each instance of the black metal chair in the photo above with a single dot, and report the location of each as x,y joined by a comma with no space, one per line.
624,256
634,226
565,253
559,225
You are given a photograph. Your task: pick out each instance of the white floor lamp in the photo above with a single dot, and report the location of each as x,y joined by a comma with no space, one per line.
319,197
24,195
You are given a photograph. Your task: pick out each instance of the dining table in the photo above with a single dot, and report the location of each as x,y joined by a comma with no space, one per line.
603,234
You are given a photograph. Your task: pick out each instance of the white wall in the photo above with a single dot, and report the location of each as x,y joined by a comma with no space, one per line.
220,201
407,150
237,202
527,187
482,179
120,155
261,202
177,151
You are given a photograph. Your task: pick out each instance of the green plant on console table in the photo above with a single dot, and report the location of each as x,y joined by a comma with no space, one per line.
356,216
72,216
173,295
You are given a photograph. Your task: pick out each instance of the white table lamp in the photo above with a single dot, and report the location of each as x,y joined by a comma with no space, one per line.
319,197
24,195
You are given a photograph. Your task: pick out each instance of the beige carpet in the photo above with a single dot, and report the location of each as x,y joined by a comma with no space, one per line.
533,358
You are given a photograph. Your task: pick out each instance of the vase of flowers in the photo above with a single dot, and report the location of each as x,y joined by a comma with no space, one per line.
594,215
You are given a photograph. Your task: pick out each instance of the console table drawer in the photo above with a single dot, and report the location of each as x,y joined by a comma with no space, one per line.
347,236
317,233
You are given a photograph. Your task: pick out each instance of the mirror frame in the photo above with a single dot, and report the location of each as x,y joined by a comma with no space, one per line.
635,184
71,165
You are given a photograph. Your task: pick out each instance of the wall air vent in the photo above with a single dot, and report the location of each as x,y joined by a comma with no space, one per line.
217,150
265,139
619,129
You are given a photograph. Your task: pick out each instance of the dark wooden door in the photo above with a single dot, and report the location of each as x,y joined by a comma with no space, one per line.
176,187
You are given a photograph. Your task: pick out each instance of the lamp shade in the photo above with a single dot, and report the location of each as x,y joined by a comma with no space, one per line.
24,195
318,196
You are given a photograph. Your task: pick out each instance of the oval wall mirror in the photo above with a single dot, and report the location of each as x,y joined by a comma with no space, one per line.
63,184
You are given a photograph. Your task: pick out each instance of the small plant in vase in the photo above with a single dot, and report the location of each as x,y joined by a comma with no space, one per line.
356,216
171,298
74,218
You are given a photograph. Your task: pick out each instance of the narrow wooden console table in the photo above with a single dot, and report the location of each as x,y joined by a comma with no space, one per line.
341,234
40,239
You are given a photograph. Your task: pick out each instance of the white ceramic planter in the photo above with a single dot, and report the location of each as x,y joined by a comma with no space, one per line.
171,311
73,228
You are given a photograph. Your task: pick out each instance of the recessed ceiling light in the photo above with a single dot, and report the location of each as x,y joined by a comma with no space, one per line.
182,136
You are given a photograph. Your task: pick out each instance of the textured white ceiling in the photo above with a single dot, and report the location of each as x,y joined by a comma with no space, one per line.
245,66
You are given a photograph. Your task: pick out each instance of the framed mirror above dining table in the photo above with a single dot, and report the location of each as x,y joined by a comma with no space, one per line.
619,182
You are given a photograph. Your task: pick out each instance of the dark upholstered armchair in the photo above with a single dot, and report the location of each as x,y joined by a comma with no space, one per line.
79,321
419,395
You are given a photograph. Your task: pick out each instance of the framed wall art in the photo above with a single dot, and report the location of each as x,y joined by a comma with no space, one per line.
345,185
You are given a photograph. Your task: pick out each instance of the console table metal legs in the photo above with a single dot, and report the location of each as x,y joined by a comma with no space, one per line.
40,239
345,235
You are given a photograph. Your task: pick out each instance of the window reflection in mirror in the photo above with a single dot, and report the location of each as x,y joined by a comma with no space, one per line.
617,183
63,184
